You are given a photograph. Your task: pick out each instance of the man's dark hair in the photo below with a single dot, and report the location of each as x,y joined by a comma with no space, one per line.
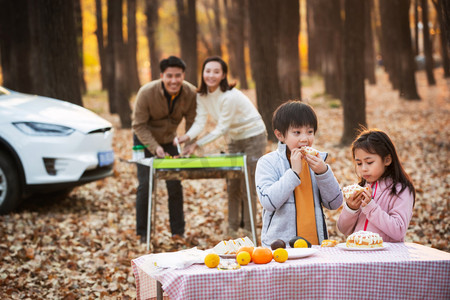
293,113
171,61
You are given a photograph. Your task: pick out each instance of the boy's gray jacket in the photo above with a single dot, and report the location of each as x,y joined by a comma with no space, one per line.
275,184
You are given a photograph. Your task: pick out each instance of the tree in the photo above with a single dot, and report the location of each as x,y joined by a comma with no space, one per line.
79,32
369,50
133,75
264,58
213,17
313,38
152,28
118,91
100,43
429,61
443,33
235,15
353,100
188,37
288,52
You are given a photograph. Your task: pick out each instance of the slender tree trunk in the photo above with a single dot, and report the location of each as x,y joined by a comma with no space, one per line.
151,11
214,26
369,51
100,43
312,11
133,74
354,101
443,32
429,61
110,66
79,32
263,16
188,37
288,52
15,44
416,27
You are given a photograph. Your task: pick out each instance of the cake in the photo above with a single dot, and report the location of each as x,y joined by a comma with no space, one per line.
354,189
232,246
329,243
364,239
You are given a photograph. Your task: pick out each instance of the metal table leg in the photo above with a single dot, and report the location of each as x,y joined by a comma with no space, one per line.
249,198
150,202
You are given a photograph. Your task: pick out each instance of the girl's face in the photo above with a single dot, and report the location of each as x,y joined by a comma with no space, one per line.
213,75
297,137
370,166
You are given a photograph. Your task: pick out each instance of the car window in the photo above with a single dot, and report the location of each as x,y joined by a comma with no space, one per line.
3,91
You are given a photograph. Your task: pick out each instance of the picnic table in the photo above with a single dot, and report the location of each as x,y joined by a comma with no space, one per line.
399,271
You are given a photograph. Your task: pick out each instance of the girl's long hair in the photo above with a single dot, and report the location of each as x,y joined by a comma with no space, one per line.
377,142
224,85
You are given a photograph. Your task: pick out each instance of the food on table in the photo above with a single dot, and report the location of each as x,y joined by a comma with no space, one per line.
212,260
309,150
329,243
278,244
232,246
295,239
364,239
243,258
354,189
228,264
248,249
300,243
262,255
280,255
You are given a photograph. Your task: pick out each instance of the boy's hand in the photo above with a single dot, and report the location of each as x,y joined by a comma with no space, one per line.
316,164
296,160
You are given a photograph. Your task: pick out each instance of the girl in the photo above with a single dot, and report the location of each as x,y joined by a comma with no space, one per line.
237,117
386,207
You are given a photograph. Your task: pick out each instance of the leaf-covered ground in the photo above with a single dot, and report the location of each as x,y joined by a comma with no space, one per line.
81,247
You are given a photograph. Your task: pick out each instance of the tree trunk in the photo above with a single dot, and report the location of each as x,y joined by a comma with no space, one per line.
263,16
288,53
100,43
443,33
118,92
188,37
354,101
214,26
151,11
79,32
57,61
312,11
133,74
369,51
416,27
15,44
235,15
429,61
445,9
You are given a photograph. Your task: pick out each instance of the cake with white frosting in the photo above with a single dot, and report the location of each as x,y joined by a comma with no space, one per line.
364,239
232,246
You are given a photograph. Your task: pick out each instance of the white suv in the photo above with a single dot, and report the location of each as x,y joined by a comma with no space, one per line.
48,146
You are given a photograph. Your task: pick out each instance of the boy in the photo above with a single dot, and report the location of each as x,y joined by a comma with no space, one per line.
292,187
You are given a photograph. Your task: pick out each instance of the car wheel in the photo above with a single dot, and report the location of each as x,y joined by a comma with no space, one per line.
9,184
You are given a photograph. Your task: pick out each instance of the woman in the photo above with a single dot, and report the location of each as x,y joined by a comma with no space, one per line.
237,117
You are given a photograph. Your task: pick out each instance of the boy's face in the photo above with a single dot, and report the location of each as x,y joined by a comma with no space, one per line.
297,137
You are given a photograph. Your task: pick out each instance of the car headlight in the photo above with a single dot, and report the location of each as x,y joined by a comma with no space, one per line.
43,129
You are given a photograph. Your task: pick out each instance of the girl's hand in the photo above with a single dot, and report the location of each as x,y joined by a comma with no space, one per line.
354,202
366,196
182,139
296,160
188,150
316,164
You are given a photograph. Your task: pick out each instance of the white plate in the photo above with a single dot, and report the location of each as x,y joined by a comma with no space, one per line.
344,246
227,255
300,252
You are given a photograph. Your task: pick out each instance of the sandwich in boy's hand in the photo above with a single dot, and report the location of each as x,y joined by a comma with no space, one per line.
354,189
309,150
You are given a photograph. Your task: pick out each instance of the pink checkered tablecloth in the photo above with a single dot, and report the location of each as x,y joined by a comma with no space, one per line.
401,271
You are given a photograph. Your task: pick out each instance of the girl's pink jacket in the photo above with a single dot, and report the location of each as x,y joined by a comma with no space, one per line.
389,215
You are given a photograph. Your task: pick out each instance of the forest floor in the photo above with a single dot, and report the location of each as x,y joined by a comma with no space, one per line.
82,247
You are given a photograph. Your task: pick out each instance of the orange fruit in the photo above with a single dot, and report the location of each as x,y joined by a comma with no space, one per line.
243,258
248,249
262,255
280,255
300,243
212,260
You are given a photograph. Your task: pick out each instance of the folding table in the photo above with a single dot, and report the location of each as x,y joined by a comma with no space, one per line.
216,166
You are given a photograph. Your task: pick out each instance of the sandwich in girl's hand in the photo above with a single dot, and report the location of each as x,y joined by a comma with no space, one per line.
309,150
354,189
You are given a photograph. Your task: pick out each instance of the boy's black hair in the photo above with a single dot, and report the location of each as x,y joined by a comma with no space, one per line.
172,61
293,113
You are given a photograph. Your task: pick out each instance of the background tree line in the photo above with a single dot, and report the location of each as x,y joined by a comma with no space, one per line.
41,46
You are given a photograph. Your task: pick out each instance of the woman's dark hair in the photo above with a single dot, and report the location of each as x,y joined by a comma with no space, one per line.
171,61
377,142
224,85
293,113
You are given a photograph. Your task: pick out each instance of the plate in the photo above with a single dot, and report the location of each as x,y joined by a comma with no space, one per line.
227,255
344,246
300,252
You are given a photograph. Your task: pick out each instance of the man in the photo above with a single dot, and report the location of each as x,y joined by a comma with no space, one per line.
160,107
